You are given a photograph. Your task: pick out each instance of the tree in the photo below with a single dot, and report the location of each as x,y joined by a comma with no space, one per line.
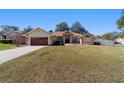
27,29
120,22
111,35
98,36
63,26
78,28
51,31
9,28
108,36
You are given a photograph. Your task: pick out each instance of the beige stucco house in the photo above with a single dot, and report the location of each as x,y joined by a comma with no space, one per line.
41,37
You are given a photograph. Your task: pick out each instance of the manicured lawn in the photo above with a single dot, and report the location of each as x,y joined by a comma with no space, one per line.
6,46
67,64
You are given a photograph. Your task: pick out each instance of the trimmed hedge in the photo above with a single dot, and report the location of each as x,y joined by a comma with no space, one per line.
6,41
97,43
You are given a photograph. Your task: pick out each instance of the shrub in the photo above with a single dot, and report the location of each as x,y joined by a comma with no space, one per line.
6,41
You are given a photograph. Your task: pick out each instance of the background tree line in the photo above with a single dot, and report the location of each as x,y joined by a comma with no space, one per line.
76,27
12,29
62,26
115,34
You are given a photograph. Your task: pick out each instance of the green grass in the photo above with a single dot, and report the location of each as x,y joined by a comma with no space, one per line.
67,64
6,46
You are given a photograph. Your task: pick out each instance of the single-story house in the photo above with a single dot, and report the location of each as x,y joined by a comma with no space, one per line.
2,35
11,37
41,37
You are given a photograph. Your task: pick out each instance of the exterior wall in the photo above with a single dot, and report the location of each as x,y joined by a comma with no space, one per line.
81,41
84,40
49,41
88,40
20,39
70,39
39,33
28,42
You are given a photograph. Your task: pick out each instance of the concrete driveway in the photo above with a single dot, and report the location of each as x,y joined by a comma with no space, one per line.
10,54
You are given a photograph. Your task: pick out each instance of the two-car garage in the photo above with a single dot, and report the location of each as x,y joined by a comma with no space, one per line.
38,37
39,41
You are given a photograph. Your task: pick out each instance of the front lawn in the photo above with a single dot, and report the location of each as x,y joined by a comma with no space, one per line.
67,64
6,46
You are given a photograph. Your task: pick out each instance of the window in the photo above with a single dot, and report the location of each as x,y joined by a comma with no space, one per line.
3,36
87,36
75,40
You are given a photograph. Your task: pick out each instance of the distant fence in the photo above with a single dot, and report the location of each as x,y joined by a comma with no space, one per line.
104,42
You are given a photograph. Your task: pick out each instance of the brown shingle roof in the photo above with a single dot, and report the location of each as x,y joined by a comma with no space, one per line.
58,33
76,34
63,33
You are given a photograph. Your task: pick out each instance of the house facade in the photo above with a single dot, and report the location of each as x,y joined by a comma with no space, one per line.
71,38
12,37
2,35
41,37
9,35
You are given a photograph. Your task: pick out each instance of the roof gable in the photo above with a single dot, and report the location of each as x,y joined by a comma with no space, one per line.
37,29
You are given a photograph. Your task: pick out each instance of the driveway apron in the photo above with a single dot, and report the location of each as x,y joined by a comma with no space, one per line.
10,54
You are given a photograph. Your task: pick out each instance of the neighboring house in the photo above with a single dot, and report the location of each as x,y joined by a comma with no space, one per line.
104,42
20,39
119,41
15,37
3,35
41,37
9,35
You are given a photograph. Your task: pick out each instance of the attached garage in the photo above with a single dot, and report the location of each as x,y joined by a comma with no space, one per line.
39,41
38,37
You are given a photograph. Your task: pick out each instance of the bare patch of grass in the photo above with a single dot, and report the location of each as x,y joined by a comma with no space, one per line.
44,53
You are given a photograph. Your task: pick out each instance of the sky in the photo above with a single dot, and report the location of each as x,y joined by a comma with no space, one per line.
96,21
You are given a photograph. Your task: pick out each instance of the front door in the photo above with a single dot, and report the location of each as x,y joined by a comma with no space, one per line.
60,41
